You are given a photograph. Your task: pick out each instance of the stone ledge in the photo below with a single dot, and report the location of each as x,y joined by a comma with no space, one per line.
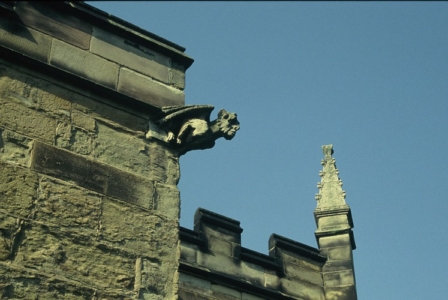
44,18
147,90
130,55
84,64
126,30
26,40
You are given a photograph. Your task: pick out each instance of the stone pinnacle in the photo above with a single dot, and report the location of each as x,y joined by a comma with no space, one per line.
330,193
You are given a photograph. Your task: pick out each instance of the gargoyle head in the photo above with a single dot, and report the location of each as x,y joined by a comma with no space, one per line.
228,124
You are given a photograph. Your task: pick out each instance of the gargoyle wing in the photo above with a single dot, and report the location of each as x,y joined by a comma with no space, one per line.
174,116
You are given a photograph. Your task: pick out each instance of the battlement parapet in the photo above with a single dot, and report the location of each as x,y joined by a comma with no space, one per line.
213,252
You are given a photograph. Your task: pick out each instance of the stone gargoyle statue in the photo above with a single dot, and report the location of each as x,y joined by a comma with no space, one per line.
189,127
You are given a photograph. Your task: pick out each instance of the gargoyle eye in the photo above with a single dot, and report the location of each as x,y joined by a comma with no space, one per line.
226,117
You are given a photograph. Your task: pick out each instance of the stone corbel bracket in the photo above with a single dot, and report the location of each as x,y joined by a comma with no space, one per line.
189,127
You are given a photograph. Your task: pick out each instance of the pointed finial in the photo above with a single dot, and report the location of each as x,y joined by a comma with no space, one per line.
330,187
328,151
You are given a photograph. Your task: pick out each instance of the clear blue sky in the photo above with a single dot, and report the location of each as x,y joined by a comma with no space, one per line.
371,78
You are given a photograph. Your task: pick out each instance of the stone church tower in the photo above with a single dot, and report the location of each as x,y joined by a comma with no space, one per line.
92,124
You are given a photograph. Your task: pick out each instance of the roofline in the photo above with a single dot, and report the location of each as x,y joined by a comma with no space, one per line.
126,24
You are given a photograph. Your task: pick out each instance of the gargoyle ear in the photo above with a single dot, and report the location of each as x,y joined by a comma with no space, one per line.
223,114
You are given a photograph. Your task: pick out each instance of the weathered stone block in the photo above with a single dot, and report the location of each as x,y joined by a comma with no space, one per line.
84,64
177,76
115,116
83,121
123,151
194,282
164,166
225,291
220,246
156,280
167,200
339,278
334,240
341,293
125,186
56,253
189,295
34,93
25,40
130,55
147,90
245,296
9,235
331,221
69,206
20,283
92,175
252,273
188,253
220,263
27,121
337,265
340,253
15,148
217,226
302,290
294,271
62,26
74,139
137,230
17,190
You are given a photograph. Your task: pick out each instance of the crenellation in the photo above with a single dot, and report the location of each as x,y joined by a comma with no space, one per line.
291,268
217,226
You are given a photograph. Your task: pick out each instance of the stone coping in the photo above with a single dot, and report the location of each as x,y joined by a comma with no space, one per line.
116,25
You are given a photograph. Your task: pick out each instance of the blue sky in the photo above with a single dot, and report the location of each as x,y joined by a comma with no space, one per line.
371,78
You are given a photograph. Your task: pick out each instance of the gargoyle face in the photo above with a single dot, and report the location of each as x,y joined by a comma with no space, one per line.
228,124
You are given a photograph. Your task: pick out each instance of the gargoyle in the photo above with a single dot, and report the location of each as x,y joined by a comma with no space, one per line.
189,127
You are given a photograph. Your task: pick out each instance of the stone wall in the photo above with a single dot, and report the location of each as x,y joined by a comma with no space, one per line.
89,207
